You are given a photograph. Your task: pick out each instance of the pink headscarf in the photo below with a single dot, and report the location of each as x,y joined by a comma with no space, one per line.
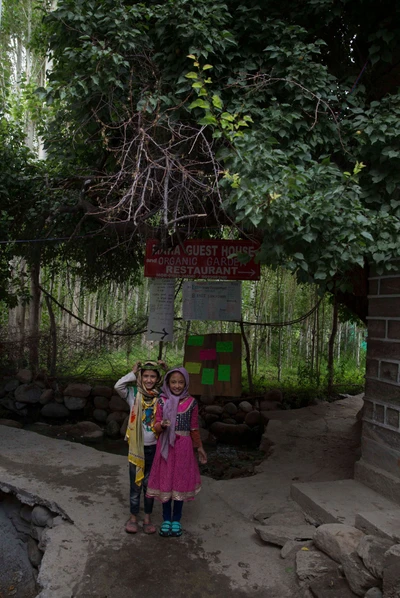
171,408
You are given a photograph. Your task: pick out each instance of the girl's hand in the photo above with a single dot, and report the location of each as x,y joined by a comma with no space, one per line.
165,423
136,367
202,455
162,364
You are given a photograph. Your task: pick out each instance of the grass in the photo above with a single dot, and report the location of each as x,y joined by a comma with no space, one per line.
299,385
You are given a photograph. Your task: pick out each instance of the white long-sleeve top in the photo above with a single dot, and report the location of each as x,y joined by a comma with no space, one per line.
122,389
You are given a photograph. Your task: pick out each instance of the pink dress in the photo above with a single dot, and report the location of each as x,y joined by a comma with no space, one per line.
178,477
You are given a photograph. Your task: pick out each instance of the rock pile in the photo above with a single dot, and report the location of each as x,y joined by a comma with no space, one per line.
335,559
22,543
237,423
34,400
100,411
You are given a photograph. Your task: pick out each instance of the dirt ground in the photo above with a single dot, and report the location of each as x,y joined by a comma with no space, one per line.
219,553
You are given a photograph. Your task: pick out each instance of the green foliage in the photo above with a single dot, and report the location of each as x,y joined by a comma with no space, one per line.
269,83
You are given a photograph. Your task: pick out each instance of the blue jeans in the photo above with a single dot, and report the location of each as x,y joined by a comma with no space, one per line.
149,452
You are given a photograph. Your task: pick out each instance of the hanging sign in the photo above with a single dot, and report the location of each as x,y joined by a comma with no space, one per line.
160,326
212,300
198,258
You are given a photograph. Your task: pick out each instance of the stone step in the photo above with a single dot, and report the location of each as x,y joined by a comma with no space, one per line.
378,479
349,502
381,523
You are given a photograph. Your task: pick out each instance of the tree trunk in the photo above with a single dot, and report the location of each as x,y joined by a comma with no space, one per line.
52,365
34,310
247,358
331,346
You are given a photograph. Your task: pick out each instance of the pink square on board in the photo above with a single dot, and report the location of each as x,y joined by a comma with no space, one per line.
208,354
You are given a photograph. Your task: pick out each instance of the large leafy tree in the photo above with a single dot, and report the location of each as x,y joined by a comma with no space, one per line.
278,117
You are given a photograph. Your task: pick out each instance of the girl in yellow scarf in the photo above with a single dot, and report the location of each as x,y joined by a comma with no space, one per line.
141,388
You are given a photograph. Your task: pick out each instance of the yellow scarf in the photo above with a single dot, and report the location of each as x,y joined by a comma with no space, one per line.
134,431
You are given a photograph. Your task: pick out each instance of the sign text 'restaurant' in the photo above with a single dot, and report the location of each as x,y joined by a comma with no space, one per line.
198,258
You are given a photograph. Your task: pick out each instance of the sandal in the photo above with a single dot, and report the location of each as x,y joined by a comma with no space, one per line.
131,527
149,528
165,529
176,529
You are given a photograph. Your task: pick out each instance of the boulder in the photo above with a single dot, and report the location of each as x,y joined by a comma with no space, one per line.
74,403
86,431
253,418
46,396
245,406
291,547
371,550
311,564
265,418
230,408
78,390
93,437
116,416
391,576
240,417
41,516
229,420
118,404
9,404
102,391
210,418
214,409
113,429
58,397
55,411
34,554
124,426
24,376
100,415
374,593
330,586
11,385
36,532
26,513
336,539
101,402
28,393
358,577
10,423
280,534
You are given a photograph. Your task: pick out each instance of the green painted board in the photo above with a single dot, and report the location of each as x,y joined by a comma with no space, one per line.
195,341
224,347
224,373
207,376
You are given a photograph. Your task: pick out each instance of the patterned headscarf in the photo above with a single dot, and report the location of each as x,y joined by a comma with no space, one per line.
171,408
134,432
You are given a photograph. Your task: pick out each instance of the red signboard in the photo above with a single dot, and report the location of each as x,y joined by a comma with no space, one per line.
199,258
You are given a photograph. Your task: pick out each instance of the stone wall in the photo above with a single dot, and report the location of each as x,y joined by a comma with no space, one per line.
379,466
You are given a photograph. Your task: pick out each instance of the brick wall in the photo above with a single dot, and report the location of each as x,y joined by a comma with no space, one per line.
381,419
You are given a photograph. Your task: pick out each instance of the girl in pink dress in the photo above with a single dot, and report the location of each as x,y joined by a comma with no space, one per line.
175,473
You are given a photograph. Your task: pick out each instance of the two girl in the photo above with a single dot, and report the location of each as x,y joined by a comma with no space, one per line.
173,419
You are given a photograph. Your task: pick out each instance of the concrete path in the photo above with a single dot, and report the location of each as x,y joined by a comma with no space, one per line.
219,554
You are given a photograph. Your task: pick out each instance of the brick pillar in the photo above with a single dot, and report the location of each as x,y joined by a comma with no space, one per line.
379,466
